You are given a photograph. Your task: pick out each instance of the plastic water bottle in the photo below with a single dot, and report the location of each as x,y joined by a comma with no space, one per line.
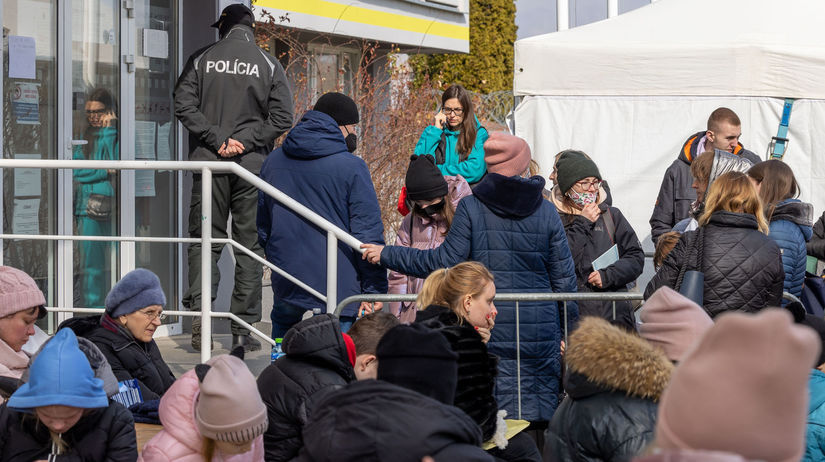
277,352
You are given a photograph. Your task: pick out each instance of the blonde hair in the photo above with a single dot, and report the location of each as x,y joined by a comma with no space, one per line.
448,286
734,192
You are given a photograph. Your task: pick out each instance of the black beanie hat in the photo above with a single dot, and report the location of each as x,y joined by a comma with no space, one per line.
420,359
235,14
572,167
424,181
338,106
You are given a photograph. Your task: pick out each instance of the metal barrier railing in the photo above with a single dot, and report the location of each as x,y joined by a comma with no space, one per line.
334,234
525,297
515,297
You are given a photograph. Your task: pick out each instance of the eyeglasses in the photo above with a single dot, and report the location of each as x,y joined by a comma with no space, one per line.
590,184
452,110
97,112
152,315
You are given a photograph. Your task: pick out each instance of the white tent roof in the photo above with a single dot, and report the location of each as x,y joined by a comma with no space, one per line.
773,48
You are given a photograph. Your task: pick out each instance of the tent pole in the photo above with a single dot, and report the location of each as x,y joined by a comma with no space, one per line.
612,8
562,15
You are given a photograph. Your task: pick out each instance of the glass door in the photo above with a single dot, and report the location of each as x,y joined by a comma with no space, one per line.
96,127
30,128
156,210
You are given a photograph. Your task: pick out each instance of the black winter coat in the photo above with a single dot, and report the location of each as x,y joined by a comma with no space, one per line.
743,267
234,89
316,362
588,241
477,369
614,382
676,194
129,358
102,435
375,421
816,246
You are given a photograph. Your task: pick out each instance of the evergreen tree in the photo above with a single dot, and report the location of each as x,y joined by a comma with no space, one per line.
489,66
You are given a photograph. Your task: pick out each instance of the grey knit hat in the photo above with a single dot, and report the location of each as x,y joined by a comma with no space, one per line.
229,406
137,290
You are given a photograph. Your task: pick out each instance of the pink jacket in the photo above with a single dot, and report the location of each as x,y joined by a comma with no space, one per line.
180,440
12,363
426,234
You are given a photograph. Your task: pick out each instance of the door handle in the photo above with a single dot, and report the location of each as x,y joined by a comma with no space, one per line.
73,143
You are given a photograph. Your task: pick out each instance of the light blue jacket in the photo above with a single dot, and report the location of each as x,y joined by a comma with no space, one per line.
472,168
815,437
791,227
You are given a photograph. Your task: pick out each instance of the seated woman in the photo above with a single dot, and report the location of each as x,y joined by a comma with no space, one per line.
742,266
212,413
21,304
63,413
593,228
134,310
459,303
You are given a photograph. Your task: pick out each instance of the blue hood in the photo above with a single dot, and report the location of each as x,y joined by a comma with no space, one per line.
60,375
316,135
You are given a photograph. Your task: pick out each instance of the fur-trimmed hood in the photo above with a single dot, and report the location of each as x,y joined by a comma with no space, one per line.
795,211
603,357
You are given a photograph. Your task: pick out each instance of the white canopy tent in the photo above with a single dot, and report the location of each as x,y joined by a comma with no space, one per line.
631,89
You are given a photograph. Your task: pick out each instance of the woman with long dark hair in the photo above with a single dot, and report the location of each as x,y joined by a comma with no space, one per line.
456,137
790,219
94,196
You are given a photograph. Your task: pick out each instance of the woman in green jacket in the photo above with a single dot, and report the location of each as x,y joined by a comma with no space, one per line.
94,197
462,150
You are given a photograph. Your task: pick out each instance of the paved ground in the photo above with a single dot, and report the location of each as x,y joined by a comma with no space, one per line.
179,354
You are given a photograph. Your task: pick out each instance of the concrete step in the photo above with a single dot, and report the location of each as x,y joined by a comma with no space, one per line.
178,353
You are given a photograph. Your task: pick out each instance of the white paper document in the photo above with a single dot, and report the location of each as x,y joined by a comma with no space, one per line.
21,57
606,259
25,216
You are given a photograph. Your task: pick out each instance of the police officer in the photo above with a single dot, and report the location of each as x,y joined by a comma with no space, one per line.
234,100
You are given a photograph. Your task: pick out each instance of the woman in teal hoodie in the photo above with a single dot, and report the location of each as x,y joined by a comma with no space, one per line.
94,195
462,150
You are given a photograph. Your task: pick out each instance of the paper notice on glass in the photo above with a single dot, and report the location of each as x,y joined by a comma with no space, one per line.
144,140
164,141
155,43
22,51
25,102
24,219
144,183
27,180
606,259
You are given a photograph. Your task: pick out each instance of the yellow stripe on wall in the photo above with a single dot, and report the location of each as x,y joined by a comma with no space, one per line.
362,15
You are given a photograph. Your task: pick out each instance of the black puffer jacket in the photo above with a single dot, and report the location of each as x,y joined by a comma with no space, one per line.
129,358
316,362
106,434
743,267
816,246
477,369
614,382
374,421
588,241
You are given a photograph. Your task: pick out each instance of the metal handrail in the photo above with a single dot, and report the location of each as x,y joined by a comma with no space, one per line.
334,233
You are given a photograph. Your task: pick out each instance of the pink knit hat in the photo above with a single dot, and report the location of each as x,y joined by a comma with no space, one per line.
673,322
229,406
742,389
18,292
506,154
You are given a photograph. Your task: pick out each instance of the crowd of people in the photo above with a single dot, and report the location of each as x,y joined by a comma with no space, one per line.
715,366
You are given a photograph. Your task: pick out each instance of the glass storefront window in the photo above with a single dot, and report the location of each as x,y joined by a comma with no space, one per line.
30,132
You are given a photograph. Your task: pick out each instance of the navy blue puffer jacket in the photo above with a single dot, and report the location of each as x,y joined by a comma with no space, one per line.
508,226
791,227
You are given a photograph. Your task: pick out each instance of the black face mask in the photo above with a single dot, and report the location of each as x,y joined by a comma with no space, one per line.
430,210
352,142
